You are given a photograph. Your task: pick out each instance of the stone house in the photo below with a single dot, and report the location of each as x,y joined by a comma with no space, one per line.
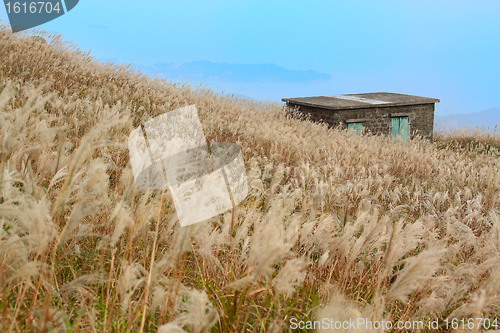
379,113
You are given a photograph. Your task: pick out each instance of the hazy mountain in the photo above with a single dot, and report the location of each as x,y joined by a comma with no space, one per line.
211,71
487,118
240,96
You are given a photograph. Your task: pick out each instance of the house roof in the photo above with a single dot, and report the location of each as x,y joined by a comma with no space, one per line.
357,101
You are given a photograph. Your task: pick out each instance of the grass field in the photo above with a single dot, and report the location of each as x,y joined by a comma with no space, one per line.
336,225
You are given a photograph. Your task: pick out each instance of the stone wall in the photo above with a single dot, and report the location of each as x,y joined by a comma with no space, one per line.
377,120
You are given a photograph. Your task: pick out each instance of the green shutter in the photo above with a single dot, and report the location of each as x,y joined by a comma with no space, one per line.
403,127
355,126
399,127
358,127
395,127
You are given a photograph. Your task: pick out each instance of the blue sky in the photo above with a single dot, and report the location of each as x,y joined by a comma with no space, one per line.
443,49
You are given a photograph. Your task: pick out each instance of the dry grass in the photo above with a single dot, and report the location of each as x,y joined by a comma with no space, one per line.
474,140
335,225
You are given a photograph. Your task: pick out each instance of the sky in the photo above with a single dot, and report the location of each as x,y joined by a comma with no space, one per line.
448,50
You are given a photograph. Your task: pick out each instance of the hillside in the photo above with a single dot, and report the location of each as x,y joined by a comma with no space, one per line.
336,225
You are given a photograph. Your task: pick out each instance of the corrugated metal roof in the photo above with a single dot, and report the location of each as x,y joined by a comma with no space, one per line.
356,101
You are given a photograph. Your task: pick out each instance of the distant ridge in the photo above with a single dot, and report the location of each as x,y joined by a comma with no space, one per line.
487,118
240,96
206,70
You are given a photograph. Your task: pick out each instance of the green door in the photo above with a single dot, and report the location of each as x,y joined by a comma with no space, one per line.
399,127
355,126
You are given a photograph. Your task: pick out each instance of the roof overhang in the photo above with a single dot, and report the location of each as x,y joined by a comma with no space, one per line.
360,101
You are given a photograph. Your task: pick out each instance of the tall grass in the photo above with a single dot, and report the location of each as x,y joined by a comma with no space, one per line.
336,225
473,140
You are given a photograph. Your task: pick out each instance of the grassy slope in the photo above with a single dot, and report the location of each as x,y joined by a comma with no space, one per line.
335,226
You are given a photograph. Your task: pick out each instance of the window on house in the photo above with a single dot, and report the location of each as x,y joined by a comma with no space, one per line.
355,126
399,127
